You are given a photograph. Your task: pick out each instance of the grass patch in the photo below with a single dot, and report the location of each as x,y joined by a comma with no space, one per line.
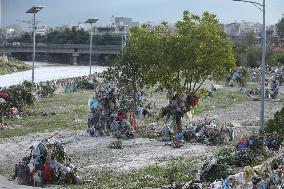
178,171
64,111
69,111
13,65
222,98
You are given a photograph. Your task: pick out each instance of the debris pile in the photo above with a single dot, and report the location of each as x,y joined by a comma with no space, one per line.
109,115
203,131
267,175
46,163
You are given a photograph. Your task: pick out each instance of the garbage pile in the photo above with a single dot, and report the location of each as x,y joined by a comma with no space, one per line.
207,132
107,115
268,175
273,80
273,91
215,171
204,131
250,150
253,148
46,163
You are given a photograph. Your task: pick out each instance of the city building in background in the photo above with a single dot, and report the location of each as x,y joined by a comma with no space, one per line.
121,21
41,29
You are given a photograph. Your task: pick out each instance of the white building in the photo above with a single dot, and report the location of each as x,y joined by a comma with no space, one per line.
121,21
233,29
41,29
10,30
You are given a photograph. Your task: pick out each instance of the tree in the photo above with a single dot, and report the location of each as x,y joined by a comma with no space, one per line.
253,57
125,71
280,27
249,39
182,61
246,52
277,57
71,36
240,54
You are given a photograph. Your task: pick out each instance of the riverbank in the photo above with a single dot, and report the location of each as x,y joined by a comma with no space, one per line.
12,65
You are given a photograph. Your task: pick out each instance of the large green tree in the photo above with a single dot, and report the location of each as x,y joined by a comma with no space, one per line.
253,56
280,27
182,60
247,53
179,60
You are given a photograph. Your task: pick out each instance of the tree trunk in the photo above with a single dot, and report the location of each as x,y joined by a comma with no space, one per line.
178,122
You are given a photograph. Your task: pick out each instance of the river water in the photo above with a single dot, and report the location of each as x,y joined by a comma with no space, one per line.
47,71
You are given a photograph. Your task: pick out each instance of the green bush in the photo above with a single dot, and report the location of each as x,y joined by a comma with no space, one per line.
117,144
13,65
276,125
226,156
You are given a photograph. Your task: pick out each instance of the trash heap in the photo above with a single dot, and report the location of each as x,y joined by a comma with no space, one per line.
108,114
273,80
254,148
249,151
273,91
215,173
47,163
203,131
207,132
267,175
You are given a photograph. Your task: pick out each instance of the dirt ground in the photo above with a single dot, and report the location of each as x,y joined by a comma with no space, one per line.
244,117
91,155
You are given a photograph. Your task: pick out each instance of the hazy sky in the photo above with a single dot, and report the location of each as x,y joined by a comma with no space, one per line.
59,12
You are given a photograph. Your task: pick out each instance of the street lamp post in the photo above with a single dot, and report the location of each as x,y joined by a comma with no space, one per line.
262,8
123,36
34,10
91,21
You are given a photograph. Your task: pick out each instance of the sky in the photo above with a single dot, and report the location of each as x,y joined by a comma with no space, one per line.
71,12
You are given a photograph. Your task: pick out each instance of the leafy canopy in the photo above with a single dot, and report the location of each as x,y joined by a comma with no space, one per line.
182,60
280,27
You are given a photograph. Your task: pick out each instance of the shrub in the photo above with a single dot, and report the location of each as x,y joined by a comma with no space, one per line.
277,125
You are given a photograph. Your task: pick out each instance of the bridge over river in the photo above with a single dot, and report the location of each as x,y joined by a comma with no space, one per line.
74,50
